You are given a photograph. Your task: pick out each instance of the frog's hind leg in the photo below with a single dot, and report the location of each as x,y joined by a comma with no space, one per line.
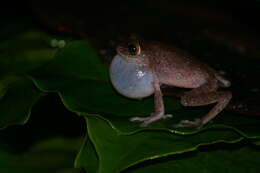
204,95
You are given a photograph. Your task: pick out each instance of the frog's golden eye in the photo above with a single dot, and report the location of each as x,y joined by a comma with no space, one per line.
134,49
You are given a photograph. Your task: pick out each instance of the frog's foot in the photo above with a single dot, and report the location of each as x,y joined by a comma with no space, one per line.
148,120
190,124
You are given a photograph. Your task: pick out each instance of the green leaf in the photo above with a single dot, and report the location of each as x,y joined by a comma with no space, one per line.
117,151
239,160
89,155
76,61
53,155
19,55
16,104
112,150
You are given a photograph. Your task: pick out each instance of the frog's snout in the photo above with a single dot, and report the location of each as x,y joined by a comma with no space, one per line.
121,50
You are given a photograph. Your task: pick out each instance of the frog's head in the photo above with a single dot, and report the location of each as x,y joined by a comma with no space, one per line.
132,51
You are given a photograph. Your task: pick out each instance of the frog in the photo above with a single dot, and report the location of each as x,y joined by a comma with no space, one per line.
140,68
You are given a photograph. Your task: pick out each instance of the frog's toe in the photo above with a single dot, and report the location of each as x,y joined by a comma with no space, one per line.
189,124
145,120
136,119
167,116
148,120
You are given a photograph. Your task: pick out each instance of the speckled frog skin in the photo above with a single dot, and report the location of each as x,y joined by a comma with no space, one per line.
140,68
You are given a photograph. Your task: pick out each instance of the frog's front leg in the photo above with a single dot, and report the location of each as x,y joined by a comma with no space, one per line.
159,109
205,95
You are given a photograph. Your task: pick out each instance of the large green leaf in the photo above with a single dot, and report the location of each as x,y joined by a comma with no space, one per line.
19,55
117,151
81,80
16,104
87,157
239,160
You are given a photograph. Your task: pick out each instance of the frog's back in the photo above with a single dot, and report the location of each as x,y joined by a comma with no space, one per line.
178,68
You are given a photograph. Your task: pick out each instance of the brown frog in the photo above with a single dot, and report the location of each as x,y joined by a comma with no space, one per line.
140,68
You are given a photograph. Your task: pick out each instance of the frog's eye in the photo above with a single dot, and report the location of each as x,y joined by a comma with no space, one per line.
134,49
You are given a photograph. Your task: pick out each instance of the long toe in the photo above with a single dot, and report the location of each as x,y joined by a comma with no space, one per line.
167,116
148,120
140,119
188,124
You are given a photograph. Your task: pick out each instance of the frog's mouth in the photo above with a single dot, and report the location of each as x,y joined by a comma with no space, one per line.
125,58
